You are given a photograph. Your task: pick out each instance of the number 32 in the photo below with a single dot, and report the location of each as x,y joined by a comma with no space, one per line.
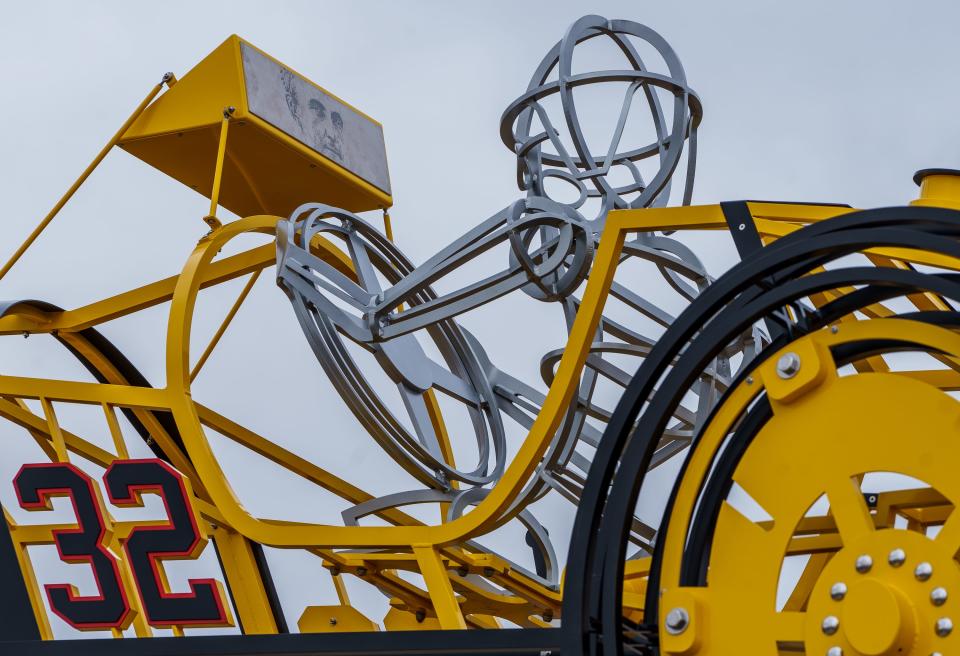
145,547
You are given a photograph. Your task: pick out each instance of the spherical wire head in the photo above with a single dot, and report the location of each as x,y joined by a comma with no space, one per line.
544,129
838,591
835,651
923,571
863,563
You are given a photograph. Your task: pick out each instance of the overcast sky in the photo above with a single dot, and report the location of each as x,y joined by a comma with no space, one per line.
806,101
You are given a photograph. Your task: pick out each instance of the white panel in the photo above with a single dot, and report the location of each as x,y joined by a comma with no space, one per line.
314,118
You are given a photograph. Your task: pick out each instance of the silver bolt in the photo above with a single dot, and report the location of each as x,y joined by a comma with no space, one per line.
678,619
749,380
864,563
788,365
742,226
935,653
897,557
835,651
923,571
834,329
938,596
829,625
944,627
838,591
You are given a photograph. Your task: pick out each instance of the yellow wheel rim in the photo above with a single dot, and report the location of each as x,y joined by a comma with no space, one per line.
826,432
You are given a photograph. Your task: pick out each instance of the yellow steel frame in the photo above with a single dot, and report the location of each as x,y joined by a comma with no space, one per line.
169,80
435,551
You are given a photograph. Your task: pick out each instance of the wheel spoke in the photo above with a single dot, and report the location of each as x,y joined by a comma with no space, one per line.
949,536
789,626
849,510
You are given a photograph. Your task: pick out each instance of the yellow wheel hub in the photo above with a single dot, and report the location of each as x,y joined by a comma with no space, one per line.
884,596
874,622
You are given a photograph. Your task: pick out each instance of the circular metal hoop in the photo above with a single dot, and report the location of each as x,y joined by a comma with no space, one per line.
330,306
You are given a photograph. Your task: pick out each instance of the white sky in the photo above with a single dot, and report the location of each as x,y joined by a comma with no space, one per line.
813,101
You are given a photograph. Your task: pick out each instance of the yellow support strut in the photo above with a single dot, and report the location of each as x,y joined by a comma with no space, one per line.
211,218
169,79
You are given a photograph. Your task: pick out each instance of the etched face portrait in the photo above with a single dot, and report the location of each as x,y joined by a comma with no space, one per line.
326,130
319,109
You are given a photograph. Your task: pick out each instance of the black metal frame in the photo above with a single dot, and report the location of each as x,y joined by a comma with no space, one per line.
507,642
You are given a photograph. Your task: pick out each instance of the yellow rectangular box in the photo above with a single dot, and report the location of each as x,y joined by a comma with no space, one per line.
289,142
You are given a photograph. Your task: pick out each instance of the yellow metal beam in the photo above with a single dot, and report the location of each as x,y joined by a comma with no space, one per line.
211,218
93,393
135,300
246,585
438,584
83,177
224,324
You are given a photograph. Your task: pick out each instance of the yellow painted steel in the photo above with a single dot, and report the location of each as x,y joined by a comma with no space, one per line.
201,271
401,620
266,171
83,177
224,324
483,518
56,434
827,431
30,578
940,189
247,588
211,217
438,585
334,619
179,135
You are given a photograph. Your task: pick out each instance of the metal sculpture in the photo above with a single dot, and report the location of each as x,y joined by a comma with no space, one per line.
550,250
781,360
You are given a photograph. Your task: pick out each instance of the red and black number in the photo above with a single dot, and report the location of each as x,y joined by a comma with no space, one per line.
36,485
179,538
